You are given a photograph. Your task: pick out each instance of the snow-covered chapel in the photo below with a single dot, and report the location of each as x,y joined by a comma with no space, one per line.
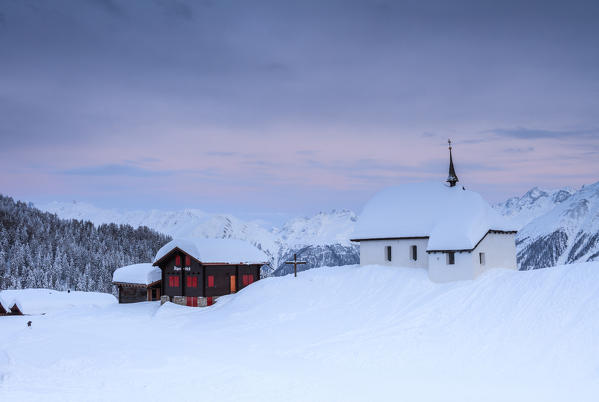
451,232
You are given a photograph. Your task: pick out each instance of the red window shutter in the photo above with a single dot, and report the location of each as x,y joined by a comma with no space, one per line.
195,282
209,301
173,281
250,279
178,261
189,281
210,281
187,261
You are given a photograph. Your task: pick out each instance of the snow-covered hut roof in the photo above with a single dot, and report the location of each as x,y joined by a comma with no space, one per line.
142,274
41,301
451,217
4,306
229,251
8,302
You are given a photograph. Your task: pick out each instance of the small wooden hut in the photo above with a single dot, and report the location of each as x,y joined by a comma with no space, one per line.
15,309
138,283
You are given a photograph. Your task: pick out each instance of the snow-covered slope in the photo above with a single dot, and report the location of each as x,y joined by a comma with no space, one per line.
566,234
557,227
322,238
332,334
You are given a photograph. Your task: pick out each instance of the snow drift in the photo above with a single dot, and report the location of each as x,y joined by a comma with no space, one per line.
331,334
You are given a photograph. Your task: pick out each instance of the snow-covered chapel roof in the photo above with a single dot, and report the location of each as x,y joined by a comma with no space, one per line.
451,217
228,251
142,274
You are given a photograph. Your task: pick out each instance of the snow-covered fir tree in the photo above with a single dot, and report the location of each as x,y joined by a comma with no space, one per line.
37,249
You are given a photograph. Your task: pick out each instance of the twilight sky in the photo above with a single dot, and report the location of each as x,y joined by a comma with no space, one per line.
277,108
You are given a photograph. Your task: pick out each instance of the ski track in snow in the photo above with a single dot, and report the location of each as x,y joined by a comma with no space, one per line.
332,334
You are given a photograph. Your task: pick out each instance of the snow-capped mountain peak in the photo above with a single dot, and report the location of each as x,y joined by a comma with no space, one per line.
561,226
535,202
323,230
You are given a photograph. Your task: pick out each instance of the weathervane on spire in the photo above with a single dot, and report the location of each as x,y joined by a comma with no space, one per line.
452,179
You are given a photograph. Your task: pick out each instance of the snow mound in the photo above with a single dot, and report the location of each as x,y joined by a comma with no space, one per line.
349,333
40,301
143,274
452,218
229,251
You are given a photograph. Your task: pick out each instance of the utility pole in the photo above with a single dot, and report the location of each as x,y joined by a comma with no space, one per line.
295,263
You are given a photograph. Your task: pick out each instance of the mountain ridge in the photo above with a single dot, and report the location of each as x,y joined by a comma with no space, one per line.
558,226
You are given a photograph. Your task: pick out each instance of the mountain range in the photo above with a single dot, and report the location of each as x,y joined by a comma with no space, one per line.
557,227
322,239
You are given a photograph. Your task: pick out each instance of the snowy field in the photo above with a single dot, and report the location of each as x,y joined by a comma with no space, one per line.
43,301
332,334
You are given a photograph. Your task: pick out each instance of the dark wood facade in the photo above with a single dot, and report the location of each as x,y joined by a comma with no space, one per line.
183,275
15,310
134,293
2,310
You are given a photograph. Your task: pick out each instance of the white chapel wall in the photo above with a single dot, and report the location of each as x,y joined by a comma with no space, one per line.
374,252
499,250
440,271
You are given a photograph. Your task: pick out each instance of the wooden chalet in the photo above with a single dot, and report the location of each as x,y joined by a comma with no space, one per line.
2,309
197,271
138,282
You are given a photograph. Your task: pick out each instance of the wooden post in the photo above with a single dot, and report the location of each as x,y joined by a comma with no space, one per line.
295,262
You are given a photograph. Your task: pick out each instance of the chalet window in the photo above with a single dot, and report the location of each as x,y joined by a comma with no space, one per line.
450,258
388,253
192,281
247,279
178,261
173,281
414,253
187,261
481,258
210,281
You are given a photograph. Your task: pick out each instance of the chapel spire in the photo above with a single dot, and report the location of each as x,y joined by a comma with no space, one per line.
452,179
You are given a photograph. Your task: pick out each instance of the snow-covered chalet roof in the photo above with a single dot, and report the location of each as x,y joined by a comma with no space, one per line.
452,218
229,251
7,301
142,274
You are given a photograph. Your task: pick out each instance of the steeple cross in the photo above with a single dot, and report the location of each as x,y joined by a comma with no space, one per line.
452,179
